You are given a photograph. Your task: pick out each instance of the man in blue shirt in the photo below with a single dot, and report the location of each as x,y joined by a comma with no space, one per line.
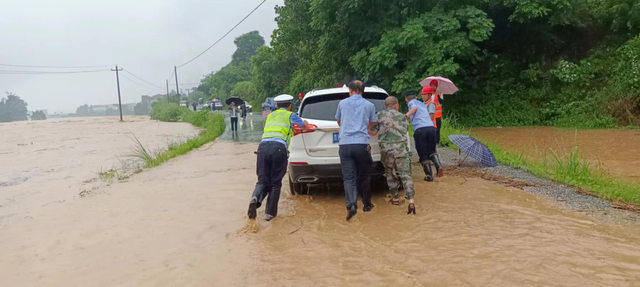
273,157
424,133
355,117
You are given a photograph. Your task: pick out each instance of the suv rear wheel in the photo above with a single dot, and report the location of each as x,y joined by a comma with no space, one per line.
294,188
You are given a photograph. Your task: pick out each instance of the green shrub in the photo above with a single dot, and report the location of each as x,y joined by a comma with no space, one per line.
212,125
166,111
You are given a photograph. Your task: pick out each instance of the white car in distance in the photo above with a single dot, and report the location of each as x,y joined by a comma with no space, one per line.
314,156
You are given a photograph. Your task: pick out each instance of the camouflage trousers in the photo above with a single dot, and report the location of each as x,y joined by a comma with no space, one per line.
397,166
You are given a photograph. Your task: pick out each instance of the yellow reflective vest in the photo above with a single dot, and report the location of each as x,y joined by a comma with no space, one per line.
278,125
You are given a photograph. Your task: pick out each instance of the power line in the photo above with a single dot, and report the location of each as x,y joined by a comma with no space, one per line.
141,79
12,72
172,73
139,84
225,35
56,67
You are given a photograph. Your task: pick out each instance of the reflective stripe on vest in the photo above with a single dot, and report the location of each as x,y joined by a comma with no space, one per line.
427,103
278,125
438,106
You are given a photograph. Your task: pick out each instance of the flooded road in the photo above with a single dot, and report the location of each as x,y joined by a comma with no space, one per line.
617,150
184,224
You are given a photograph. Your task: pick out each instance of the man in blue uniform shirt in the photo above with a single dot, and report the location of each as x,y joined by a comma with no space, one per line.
355,117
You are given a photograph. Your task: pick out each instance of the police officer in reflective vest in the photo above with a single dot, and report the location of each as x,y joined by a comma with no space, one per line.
273,157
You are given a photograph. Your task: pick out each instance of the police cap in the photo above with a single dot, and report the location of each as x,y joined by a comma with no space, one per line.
283,99
410,93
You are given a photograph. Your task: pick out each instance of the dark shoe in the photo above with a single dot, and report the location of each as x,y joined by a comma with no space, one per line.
352,212
412,208
253,209
426,166
436,161
268,217
368,207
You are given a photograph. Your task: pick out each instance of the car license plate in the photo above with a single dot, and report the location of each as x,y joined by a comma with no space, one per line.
336,137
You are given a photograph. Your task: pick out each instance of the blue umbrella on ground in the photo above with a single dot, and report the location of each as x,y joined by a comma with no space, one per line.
472,147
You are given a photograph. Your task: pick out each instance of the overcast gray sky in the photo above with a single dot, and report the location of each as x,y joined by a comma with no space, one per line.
145,37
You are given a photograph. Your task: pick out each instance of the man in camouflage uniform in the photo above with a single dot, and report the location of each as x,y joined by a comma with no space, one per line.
392,130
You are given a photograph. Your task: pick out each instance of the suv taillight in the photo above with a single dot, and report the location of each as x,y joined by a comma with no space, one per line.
298,130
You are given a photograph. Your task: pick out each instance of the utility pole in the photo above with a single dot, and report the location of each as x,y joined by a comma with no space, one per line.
118,81
175,71
167,89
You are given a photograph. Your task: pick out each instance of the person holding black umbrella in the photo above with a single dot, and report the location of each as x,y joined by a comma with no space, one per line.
234,116
273,157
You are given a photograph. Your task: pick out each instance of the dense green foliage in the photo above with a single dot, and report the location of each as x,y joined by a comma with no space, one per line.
12,108
211,124
517,62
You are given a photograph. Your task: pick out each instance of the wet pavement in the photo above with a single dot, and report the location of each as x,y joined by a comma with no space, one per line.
617,150
184,224
249,130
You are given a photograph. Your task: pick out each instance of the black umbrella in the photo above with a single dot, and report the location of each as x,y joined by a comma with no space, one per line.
472,147
238,101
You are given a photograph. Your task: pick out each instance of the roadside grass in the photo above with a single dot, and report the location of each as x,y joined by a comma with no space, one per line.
212,125
566,168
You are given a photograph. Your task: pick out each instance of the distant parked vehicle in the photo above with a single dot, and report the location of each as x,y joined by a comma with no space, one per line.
183,103
217,105
269,104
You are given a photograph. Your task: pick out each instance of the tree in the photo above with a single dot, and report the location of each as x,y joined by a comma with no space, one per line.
38,116
270,73
12,108
246,91
83,111
224,80
247,46
433,44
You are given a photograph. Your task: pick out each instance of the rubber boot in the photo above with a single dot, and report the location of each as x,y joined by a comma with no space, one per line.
426,166
436,161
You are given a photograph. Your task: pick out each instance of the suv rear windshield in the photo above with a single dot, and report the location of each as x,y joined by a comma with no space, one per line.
324,107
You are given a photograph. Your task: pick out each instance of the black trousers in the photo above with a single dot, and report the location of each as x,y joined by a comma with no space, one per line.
234,123
271,168
425,142
356,162
439,124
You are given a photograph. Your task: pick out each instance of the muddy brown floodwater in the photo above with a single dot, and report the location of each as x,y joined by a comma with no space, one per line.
184,224
618,150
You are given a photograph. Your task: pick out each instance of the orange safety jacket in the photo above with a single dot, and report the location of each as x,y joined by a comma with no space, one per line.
438,106
427,103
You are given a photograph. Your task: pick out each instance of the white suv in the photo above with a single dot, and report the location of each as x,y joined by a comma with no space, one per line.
314,154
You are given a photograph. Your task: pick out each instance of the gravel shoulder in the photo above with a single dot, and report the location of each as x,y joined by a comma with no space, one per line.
563,195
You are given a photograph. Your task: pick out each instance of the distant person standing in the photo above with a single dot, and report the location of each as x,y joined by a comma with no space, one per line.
296,106
272,160
194,105
234,117
435,98
266,109
424,132
392,129
244,112
355,117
